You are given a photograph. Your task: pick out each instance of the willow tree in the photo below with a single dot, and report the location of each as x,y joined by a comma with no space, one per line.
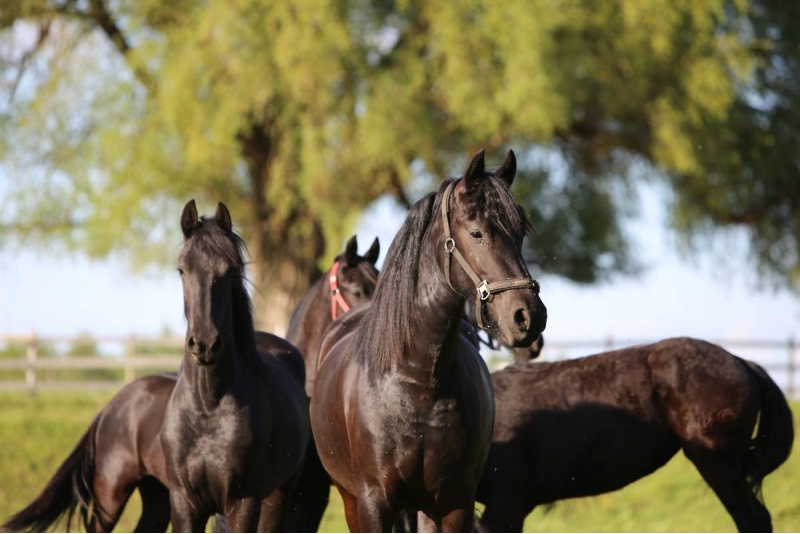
299,114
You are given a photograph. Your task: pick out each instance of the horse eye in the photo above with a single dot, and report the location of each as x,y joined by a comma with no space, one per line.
475,234
180,271
357,294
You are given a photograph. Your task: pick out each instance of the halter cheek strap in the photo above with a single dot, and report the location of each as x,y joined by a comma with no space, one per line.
337,300
485,290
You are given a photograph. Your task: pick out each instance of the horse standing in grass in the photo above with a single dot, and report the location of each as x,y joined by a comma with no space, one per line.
235,429
402,408
121,451
592,425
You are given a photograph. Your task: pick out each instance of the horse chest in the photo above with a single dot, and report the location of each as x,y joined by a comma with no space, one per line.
422,434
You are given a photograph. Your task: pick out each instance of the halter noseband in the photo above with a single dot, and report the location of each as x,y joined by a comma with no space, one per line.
337,300
483,288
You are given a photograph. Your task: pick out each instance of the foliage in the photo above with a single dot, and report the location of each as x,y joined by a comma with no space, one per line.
44,428
115,113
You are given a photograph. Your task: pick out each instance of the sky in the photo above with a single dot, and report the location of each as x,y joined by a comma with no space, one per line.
66,296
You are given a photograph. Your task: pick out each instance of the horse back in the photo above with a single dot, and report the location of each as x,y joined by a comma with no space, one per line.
708,395
128,429
278,352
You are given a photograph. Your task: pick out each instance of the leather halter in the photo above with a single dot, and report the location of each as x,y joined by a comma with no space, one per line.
485,291
337,300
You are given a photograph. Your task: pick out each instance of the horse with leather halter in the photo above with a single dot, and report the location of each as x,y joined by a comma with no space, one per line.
402,408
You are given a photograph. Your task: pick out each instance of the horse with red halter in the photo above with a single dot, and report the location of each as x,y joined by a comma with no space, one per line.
402,409
121,451
592,425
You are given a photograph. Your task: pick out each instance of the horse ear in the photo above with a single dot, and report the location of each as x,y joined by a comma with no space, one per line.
351,251
508,169
373,252
223,217
476,169
189,219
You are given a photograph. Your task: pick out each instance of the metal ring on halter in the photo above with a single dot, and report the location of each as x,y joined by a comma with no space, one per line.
450,245
483,290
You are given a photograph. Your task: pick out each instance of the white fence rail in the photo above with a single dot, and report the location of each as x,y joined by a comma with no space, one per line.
134,355
130,355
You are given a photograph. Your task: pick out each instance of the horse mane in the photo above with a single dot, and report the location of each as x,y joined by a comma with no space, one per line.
231,247
384,332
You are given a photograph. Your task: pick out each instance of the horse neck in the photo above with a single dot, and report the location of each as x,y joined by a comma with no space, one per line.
436,323
311,316
210,384
237,366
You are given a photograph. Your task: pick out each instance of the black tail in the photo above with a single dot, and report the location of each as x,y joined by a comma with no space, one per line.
67,492
773,440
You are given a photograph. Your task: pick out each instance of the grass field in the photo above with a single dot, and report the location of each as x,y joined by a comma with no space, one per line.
37,432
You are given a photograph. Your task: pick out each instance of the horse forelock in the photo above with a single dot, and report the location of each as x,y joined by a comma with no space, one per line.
490,201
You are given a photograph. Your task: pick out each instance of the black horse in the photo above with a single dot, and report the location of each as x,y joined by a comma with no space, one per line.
121,451
236,428
592,425
402,407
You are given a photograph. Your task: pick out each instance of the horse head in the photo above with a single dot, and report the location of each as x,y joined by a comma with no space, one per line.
211,267
483,231
353,278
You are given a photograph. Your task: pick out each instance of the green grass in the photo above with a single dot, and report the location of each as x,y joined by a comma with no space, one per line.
38,432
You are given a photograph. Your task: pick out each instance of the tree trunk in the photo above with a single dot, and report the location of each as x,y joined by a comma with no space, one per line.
284,261
278,284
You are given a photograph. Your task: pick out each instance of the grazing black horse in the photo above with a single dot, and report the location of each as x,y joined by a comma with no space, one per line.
592,425
236,428
402,408
121,451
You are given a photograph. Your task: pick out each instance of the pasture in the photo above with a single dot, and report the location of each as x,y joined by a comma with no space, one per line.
39,431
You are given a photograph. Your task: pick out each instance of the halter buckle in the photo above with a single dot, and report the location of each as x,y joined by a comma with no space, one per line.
483,290
449,245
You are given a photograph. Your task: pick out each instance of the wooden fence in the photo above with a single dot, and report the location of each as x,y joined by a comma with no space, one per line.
130,356
134,356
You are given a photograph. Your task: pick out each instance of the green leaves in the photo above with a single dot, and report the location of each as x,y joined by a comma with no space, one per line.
299,117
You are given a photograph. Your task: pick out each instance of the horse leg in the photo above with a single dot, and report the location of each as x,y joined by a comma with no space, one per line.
155,506
245,515
374,514
426,523
725,474
310,497
506,513
272,518
350,509
109,502
182,515
459,520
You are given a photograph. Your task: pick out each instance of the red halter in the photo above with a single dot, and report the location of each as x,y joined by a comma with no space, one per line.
337,300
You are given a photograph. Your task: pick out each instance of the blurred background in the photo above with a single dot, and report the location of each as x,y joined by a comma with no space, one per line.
657,142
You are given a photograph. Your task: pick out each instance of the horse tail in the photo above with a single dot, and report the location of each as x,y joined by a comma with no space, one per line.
773,440
69,491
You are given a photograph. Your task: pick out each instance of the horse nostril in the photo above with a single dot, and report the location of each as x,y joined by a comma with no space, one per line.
522,318
191,343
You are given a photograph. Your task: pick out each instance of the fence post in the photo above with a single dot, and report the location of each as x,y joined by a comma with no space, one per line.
790,368
30,371
609,343
130,370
